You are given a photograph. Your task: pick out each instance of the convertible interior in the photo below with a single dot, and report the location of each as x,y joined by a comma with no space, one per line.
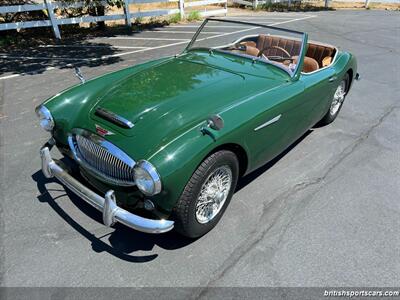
285,51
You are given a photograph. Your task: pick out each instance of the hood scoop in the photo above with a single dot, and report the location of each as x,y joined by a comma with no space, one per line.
113,118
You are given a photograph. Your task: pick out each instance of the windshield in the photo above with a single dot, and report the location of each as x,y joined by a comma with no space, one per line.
262,43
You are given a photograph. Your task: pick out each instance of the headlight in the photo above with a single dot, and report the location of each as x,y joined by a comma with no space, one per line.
146,178
46,120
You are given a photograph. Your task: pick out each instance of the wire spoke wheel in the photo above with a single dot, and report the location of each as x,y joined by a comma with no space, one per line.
338,98
213,194
207,194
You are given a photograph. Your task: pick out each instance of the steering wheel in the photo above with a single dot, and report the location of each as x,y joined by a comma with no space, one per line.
277,48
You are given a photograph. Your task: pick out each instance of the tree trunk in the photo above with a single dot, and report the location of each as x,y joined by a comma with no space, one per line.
100,11
97,11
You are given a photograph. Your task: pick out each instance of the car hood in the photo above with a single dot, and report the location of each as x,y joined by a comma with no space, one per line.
165,100
170,95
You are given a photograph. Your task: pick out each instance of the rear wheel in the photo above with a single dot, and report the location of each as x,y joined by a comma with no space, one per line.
207,194
337,102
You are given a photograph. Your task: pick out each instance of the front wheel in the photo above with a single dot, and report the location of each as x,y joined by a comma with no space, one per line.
207,194
337,101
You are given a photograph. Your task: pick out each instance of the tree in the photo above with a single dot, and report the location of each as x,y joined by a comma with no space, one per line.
91,7
21,16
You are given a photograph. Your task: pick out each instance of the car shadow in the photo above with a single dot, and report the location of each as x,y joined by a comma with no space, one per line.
124,241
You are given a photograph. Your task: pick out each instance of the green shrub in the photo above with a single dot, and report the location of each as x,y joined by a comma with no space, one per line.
154,20
193,16
175,18
139,20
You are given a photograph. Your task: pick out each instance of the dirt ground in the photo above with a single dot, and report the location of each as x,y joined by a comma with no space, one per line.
359,5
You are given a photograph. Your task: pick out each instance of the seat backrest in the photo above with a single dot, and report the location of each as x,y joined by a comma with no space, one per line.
309,64
249,43
319,52
264,41
315,51
253,51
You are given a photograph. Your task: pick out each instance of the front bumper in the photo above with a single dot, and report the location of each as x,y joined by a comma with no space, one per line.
107,205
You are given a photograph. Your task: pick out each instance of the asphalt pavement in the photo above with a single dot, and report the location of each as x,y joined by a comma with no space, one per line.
325,213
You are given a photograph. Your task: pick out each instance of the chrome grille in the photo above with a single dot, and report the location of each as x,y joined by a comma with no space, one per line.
98,159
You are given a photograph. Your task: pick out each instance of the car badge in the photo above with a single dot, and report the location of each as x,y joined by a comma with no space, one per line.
103,132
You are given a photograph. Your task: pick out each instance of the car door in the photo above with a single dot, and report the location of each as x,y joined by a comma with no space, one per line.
319,87
284,119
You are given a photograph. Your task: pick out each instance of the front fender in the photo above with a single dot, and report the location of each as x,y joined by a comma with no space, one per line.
345,62
177,161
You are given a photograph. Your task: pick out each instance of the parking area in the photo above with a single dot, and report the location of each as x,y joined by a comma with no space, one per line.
112,48
324,213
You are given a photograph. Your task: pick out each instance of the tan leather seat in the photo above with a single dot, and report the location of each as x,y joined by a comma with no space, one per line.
266,41
252,51
317,52
249,43
317,56
309,64
327,61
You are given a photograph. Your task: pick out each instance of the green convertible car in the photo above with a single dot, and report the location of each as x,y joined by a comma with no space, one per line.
161,145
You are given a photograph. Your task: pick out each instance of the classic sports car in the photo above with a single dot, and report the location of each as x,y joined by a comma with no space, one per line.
161,145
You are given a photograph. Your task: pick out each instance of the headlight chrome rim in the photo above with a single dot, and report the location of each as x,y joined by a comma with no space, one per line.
155,177
45,117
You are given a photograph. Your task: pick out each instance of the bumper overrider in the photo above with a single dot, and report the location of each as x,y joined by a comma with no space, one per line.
107,205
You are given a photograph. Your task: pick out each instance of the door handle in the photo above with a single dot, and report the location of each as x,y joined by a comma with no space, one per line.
332,78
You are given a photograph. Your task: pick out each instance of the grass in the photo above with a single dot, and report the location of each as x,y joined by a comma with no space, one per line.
175,18
194,15
139,20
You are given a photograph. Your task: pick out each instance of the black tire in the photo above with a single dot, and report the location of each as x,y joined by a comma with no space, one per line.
184,212
329,116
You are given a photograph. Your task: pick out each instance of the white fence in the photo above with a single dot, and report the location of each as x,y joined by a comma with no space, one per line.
54,21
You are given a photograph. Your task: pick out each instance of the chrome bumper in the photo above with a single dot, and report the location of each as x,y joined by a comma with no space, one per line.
107,205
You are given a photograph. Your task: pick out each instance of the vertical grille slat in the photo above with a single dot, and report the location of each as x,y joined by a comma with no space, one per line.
103,161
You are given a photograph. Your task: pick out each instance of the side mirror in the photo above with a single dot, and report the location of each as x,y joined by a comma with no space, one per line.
215,122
